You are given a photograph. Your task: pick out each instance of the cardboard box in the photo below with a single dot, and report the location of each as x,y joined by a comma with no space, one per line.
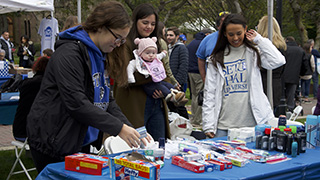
19,70
121,168
189,165
86,163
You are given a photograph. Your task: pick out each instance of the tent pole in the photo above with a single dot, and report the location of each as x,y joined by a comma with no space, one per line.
269,73
79,11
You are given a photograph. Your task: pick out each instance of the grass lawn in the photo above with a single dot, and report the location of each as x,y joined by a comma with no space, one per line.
7,159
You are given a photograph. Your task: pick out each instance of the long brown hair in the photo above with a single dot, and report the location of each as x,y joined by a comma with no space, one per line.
119,58
217,55
109,14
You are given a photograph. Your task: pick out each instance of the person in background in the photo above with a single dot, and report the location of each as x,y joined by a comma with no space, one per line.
165,60
26,52
74,102
71,21
315,75
178,58
237,102
140,109
279,41
290,77
3,55
28,91
306,74
195,81
317,108
7,45
207,45
47,52
183,38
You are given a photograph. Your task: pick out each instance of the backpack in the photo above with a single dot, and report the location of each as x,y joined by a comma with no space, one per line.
12,84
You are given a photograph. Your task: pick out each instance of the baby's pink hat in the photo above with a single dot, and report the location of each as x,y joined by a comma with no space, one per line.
144,43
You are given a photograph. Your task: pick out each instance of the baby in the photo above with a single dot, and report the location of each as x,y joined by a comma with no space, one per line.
148,63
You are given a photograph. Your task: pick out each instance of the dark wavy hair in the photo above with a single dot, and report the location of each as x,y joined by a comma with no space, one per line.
26,38
217,55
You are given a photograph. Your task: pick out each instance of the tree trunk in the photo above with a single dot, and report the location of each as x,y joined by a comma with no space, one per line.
297,20
317,40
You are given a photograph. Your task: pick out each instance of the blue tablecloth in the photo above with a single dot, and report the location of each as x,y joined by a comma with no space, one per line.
8,107
304,166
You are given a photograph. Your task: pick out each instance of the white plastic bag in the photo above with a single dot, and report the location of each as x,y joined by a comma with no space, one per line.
179,126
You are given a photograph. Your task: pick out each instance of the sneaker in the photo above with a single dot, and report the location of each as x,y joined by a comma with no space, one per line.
168,97
177,95
182,102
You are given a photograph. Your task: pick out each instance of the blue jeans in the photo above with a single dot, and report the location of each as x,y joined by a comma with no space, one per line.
315,80
221,133
154,119
305,87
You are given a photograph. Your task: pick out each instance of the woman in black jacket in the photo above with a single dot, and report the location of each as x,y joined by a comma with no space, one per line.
28,92
74,102
26,52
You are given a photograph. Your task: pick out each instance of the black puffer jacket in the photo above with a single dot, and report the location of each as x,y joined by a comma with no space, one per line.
294,58
179,59
63,109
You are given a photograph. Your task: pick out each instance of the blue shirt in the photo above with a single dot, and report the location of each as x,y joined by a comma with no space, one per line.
207,45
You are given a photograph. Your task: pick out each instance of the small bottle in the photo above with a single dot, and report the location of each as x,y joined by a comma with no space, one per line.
298,139
274,135
264,142
258,141
267,131
162,143
289,143
294,149
282,128
282,120
303,142
287,130
271,145
293,129
281,142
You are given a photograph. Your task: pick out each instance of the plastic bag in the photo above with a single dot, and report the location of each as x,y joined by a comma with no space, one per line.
179,126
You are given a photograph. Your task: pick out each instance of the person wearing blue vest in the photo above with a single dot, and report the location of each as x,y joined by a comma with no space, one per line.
207,45
74,102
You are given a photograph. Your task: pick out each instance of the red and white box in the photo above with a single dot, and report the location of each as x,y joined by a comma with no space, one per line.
189,165
86,163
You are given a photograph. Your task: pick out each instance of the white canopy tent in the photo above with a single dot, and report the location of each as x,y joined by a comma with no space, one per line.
7,6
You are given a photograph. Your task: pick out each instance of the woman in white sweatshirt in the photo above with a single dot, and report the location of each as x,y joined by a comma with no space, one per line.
233,92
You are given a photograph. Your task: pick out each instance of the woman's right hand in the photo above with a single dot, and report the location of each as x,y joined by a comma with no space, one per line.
210,134
157,94
130,136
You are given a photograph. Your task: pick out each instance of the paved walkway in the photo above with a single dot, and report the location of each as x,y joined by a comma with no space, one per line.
6,130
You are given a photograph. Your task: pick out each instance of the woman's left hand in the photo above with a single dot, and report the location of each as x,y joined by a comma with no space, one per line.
251,34
157,94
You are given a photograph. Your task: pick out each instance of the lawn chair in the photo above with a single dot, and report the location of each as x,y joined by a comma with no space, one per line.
22,146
